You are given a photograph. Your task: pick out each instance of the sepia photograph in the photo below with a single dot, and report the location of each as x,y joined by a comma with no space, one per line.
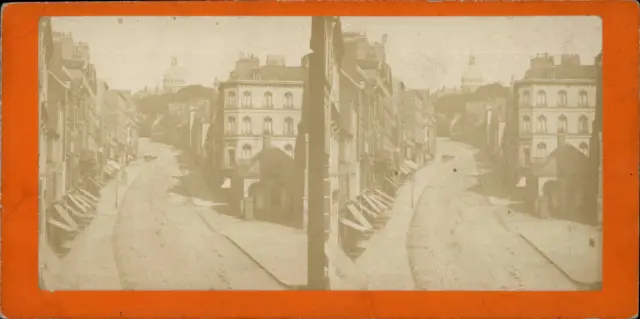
320,153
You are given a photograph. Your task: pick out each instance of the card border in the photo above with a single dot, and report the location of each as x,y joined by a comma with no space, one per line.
22,298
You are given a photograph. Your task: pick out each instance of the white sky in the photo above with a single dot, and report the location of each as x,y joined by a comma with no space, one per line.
425,52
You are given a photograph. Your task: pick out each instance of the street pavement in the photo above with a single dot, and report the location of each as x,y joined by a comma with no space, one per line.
154,240
571,246
162,243
457,242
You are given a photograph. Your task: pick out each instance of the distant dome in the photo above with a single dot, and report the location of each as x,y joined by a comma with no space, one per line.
174,78
472,77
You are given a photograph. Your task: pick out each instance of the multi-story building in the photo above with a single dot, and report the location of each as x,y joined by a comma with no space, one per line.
118,116
555,109
259,99
414,125
403,133
556,105
380,144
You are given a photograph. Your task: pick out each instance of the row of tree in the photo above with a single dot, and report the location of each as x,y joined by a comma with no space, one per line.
453,105
152,105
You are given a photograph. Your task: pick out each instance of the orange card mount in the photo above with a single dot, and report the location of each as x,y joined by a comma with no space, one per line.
23,298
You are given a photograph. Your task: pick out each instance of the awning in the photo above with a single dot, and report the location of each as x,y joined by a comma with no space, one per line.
108,170
78,204
353,225
387,202
89,195
365,209
382,194
65,216
373,204
359,216
392,182
113,164
411,164
226,183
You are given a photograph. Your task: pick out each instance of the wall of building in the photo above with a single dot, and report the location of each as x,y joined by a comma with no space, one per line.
257,93
533,132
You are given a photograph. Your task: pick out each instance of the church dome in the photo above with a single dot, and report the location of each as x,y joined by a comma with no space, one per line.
472,77
174,78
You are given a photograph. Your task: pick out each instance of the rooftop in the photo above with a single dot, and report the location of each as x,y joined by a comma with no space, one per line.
270,73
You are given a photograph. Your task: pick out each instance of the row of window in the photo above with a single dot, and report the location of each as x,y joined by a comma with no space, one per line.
267,100
541,98
247,126
541,151
541,127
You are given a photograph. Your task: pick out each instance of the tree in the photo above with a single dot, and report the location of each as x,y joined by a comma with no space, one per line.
194,92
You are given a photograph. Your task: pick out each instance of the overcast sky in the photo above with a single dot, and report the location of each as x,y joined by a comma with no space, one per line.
425,52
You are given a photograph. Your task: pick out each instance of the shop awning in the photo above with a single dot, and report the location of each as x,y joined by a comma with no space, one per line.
365,209
353,225
386,201
88,194
392,182
373,204
377,201
62,212
411,164
82,206
113,164
359,217
382,194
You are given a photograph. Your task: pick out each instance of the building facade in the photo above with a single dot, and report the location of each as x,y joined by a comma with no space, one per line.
556,105
258,99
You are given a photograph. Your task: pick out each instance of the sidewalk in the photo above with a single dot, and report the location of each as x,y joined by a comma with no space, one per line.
569,245
386,258
279,250
90,263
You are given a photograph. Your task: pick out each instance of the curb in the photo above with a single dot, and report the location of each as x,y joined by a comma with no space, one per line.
274,277
579,284
221,233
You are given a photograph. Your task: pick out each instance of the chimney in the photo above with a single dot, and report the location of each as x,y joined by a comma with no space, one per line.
561,139
266,140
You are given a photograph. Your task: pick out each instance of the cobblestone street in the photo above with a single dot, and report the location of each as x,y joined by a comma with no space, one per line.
456,242
157,240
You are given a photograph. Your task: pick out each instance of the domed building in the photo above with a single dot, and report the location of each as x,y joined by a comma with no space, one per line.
472,77
174,78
